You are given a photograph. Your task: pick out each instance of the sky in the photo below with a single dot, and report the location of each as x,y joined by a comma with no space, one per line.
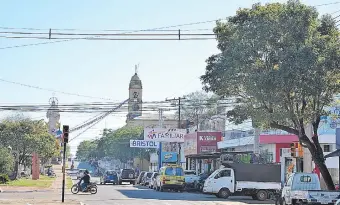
103,68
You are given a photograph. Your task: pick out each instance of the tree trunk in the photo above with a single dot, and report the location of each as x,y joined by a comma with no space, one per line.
325,175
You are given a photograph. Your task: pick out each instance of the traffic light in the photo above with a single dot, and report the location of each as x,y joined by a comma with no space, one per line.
65,133
292,150
300,150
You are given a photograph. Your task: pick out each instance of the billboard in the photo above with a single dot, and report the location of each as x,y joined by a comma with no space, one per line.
169,157
164,134
144,144
207,141
190,144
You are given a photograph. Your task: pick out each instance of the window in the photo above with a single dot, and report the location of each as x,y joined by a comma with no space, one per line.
327,148
176,171
225,173
305,179
189,172
148,175
111,173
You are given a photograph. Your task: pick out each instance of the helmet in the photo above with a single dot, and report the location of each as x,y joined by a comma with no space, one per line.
86,172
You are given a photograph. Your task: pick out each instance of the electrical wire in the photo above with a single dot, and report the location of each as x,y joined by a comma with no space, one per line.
159,28
327,4
113,39
51,90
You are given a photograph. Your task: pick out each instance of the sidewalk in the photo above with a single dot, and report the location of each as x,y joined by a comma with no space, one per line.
34,196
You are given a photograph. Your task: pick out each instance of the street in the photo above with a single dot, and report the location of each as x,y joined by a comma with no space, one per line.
133,195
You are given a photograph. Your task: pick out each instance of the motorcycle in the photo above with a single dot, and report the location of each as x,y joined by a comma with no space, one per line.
91,188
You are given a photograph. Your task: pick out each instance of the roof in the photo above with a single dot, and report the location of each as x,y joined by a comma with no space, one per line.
135,81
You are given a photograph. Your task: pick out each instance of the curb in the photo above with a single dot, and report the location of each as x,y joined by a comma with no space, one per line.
28,191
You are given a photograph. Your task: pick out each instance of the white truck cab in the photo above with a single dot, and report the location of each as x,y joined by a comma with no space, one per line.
304,188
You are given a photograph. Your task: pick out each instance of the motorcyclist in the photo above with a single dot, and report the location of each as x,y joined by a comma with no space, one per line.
86,180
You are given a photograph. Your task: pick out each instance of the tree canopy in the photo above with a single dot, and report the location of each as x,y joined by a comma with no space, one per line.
281,64
6,161
114,144
27,136
198,107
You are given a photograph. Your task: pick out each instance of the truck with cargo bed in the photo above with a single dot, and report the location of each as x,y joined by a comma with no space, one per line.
260,181
304,188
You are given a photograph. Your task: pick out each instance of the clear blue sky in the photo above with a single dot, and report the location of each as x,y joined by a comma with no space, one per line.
103,68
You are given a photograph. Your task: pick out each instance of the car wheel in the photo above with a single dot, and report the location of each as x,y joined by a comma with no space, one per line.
262,195
224,193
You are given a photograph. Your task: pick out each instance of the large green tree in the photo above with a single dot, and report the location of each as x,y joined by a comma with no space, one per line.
6,161
281,63
26,136
86,149
114,144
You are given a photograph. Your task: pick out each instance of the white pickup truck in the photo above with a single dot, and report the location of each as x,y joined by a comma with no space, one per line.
304,188
260,181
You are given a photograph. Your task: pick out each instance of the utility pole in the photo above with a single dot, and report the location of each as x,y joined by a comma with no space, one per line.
179,123
160,121
66,131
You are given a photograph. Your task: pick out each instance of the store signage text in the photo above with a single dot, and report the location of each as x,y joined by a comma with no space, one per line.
144,144
207,138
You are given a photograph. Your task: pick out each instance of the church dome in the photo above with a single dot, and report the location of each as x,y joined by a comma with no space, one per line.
135,81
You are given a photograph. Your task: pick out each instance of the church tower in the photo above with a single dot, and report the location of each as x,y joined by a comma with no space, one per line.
135,96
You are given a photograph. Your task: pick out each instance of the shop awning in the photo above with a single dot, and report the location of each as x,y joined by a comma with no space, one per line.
336,153
213,155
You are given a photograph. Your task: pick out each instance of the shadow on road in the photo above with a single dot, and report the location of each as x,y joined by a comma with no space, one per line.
167,195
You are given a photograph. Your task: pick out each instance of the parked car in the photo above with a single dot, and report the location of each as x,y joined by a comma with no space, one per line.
190,178
109,176
153,179
170,177
146,178
140,177
127,175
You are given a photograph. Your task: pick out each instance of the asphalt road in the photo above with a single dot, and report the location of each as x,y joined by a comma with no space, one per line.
137,195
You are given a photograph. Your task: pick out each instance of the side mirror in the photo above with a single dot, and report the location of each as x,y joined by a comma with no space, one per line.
217,176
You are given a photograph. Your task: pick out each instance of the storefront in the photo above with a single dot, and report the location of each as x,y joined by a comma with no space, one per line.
199,148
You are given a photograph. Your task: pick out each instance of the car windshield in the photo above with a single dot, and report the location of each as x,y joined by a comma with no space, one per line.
190,172
111,173
148,175
174,171
213,174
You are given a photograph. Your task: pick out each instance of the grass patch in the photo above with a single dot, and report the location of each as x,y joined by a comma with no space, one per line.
43,182
69,182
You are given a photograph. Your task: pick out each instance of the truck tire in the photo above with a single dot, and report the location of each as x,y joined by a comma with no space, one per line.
224,193
262,195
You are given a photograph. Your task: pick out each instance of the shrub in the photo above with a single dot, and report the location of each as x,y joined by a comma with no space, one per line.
4,178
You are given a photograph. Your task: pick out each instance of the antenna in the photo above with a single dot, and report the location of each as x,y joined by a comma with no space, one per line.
136,68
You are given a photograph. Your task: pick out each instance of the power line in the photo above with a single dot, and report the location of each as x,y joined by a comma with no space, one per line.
327,4
51,90
159,28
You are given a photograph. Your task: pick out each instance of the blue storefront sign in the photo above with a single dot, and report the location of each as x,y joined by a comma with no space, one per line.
169,157
329,123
